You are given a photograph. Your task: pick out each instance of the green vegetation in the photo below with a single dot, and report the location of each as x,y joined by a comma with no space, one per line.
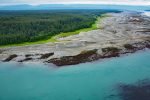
93,27
30,27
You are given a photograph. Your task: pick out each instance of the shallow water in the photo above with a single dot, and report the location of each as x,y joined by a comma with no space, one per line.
89,81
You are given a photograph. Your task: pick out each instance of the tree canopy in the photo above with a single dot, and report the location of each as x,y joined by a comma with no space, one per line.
29,26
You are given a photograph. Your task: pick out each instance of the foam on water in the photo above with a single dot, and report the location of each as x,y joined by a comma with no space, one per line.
147,13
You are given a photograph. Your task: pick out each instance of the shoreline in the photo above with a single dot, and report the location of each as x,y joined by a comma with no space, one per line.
95,61
119,34
92,55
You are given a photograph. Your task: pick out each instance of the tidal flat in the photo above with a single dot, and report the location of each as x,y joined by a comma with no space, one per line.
117,34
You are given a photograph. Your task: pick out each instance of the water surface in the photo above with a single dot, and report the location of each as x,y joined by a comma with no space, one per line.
90,81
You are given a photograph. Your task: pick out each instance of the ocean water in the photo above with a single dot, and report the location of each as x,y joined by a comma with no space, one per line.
90,81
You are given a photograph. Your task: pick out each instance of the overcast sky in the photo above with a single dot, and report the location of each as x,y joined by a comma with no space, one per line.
37,2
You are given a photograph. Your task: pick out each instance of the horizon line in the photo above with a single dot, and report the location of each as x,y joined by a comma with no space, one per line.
77,3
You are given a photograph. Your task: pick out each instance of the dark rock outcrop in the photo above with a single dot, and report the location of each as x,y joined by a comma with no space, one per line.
91,55
26,59
11,57
28,55
85,56
46,55
129,46
110,52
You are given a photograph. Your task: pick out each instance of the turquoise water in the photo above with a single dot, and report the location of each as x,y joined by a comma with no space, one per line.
89,81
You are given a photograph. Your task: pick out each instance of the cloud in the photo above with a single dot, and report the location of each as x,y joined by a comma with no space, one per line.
36,2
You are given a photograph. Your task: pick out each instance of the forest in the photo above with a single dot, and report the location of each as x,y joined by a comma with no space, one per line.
30,26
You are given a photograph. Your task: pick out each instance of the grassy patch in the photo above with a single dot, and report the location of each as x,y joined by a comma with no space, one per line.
61,35
31,43
100,19
93,27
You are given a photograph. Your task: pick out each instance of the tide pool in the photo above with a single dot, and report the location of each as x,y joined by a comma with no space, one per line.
90,81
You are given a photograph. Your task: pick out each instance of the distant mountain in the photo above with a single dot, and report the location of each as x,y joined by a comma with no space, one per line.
73,6
16,7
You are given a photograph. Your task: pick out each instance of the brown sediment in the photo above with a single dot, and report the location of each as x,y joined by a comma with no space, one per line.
11,57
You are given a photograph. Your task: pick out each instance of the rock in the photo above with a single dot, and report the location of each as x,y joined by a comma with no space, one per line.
110,49
11,57
84,56
26,59
148,46
92,55
129,46
45,56
28,55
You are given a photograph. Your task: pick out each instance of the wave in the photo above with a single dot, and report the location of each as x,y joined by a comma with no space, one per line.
147,13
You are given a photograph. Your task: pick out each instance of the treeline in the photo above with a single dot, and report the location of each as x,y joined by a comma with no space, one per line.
29,26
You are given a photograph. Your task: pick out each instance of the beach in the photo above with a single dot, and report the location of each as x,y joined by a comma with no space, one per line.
117,34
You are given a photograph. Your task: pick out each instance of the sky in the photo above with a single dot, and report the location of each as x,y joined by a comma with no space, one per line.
37,2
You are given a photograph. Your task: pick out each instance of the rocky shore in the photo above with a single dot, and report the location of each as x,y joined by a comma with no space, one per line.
92,55
118,34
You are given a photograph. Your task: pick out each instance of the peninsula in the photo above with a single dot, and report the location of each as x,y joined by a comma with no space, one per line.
116,34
